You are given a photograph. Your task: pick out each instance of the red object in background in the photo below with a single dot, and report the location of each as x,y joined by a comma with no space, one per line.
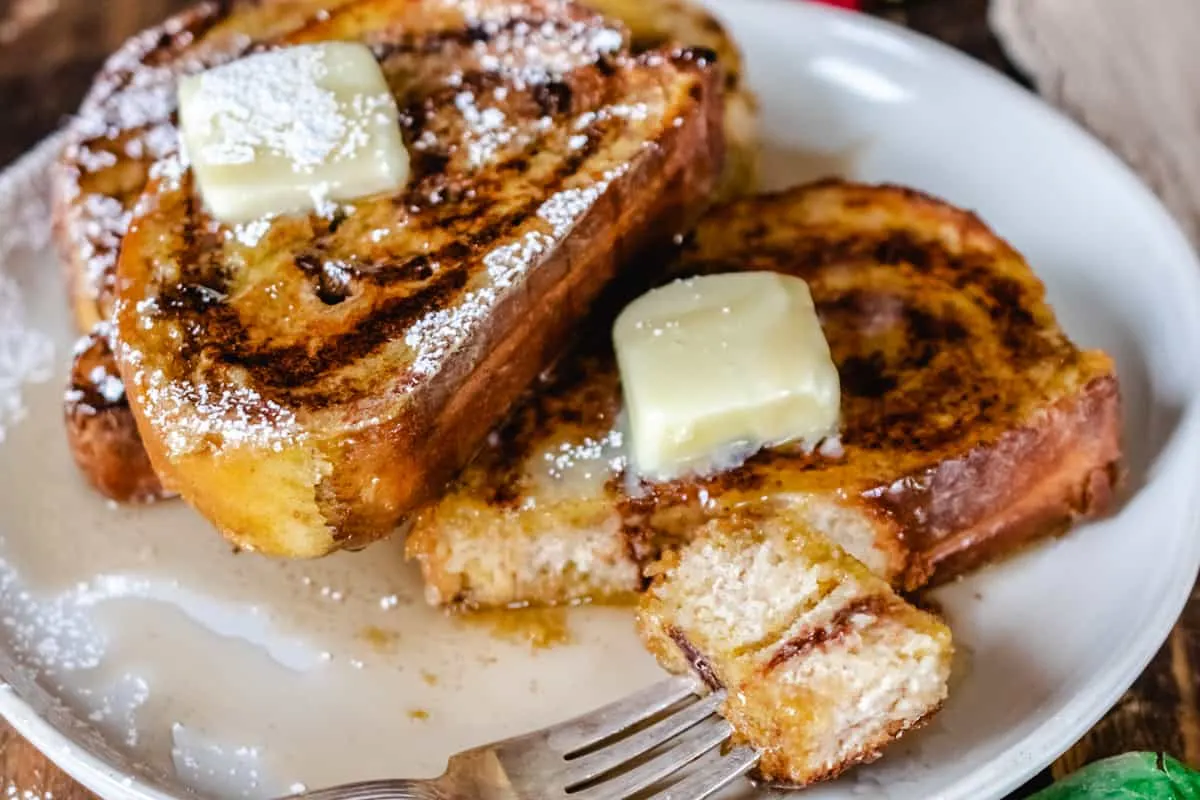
853,5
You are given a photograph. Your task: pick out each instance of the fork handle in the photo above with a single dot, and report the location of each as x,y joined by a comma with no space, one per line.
378,790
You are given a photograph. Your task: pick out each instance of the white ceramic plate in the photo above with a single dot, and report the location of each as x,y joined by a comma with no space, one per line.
149,661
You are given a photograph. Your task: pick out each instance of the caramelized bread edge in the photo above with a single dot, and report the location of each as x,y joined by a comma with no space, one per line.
1036,482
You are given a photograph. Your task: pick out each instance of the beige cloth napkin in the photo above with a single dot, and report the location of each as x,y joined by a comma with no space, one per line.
1129,70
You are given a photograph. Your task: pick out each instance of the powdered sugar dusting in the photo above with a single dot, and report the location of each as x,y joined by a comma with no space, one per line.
565,208
26,354
272,102
250,233
531,53
102,222
51,635
213,768
237,416
439,333
131,101
486,130
435,336
587,459
54,635
198,415
14,792
131,94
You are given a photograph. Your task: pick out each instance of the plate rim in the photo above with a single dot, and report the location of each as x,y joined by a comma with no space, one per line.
1006,771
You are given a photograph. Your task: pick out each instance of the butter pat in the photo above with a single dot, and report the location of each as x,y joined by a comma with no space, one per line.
291,130
717,367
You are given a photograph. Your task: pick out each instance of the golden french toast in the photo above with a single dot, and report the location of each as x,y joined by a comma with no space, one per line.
105,167
971,424
823,664
308,386
126,122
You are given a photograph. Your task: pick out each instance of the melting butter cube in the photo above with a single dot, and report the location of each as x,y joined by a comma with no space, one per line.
717,367
291,130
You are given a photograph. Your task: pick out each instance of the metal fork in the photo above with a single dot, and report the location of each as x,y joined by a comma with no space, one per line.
609,754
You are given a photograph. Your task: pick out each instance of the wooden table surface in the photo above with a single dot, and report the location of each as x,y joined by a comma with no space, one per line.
49,49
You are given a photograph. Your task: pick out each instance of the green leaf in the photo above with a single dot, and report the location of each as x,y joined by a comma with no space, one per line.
1133,776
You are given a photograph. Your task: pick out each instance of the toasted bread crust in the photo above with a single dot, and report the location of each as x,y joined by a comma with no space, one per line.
971,424
101,431
299,423
1035,481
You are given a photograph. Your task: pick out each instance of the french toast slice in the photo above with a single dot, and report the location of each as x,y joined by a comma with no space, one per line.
823,664
305,382
105,167
971,424
126,122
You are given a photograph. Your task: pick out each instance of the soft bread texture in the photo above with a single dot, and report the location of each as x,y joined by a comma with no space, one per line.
971,425
823,663
126,122
307,384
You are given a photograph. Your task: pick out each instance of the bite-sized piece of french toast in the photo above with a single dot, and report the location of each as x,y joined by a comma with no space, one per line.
823,663
127,121
101,431
970,424
307,380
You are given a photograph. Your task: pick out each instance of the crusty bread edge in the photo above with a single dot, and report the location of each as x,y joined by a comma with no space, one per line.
1062,467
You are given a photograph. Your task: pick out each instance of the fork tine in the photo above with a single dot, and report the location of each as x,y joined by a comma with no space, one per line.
683,751
713,777
625,750
573,735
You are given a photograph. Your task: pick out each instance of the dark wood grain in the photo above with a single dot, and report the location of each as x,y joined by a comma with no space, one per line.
49,49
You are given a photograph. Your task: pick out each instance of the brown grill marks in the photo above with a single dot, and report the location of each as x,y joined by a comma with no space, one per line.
553,98
292,367
866,376
479,206
839,626
466,206
282,370
923,368
913,373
